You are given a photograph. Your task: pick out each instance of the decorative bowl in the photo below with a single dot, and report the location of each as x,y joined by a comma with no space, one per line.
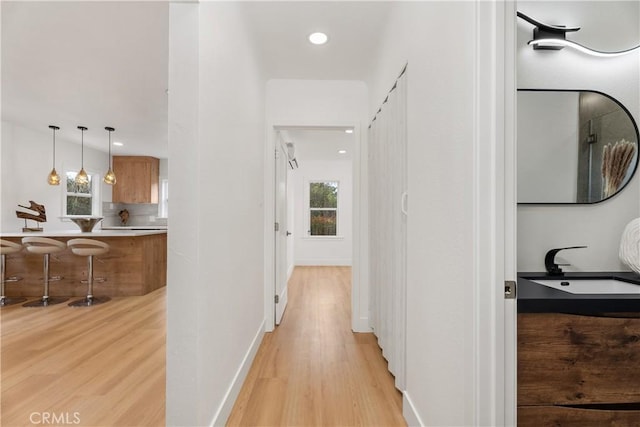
86,224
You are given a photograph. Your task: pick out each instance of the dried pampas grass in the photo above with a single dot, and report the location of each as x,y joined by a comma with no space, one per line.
630,245
616,159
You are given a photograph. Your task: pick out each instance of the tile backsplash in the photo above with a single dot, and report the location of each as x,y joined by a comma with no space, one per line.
139,214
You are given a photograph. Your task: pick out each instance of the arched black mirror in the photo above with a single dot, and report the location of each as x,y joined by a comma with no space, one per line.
573,146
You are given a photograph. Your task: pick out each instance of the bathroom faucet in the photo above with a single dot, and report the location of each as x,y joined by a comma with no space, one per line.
554,269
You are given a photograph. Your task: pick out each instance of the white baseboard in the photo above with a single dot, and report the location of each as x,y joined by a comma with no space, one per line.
409,412
361,325
325,262
290,271
220,418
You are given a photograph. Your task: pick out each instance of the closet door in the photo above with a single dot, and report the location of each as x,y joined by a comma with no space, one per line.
388,227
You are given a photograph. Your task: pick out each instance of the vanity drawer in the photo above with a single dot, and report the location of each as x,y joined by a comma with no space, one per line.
566,359
538,416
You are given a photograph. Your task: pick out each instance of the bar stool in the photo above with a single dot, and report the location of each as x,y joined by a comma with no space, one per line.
45,247
7,247
89,248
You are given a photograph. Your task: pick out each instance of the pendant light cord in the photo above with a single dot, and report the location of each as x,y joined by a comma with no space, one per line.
82,151
110,165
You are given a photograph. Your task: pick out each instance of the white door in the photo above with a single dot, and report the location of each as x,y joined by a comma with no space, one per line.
280,297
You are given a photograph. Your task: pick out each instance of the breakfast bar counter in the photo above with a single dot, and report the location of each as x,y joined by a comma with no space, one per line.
136,264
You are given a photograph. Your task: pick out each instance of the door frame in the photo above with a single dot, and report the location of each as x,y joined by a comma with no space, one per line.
359,260
281,166
495,214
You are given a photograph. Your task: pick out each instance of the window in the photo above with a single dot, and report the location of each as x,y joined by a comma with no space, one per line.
163,202
323,208
80,199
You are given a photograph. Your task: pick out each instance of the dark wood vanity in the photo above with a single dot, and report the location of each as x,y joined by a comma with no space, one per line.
578,358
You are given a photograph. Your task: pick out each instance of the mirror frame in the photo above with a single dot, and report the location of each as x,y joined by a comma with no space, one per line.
635,126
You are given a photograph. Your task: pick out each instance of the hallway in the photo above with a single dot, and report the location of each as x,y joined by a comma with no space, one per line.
312,370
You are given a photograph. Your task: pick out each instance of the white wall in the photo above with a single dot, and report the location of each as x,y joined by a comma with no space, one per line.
215,283
442,287
26,162
323,250
327,103
605,26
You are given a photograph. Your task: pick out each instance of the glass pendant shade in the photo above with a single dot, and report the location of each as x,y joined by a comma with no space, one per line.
54,178
110,177
82,177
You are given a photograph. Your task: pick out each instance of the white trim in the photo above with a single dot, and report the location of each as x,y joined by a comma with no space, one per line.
325,261
163,199
321,238
360,224
224,410
495,84
509,210
409,412
269,235
289,273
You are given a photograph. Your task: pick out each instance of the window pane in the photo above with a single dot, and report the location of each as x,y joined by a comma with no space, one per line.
72,187
323,194
323,223
78,205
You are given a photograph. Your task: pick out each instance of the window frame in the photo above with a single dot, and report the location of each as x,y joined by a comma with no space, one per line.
309,209
95,195
163,199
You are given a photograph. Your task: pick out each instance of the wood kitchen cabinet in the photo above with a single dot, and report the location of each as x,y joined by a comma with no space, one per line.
137,179
578,370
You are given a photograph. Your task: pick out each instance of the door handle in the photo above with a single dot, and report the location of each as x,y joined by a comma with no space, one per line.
288,233
403,202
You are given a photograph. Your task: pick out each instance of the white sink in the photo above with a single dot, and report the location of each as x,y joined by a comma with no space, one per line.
590,286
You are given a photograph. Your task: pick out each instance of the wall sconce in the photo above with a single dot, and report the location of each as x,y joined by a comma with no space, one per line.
82,177
54,178
553,37
110,177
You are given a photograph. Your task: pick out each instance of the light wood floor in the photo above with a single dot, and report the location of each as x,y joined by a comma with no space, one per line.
93,366
312,370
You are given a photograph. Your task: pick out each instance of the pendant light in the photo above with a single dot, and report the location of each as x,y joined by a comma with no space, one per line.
54,178
110,177
82,177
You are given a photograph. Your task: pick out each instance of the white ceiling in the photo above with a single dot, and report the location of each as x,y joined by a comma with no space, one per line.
101,64
93,64
280,31
315,144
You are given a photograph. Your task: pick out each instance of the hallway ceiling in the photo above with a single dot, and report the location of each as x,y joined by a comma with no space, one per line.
116,72
280,31
315,144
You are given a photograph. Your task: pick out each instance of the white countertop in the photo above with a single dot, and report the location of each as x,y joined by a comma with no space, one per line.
134,227
77,233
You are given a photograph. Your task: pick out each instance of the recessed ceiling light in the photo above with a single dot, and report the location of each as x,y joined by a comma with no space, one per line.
342,151
118,144
318,38
348,130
